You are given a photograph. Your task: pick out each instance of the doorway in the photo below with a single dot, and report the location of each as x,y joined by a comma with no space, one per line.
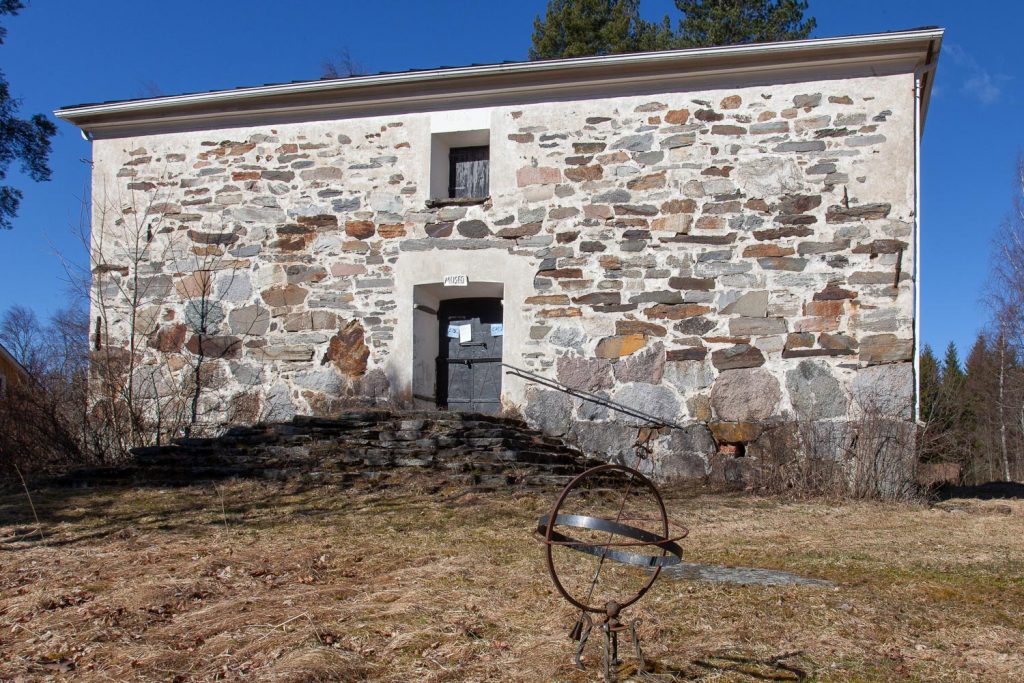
470,334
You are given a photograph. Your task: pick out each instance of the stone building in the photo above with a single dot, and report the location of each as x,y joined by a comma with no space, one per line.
724,238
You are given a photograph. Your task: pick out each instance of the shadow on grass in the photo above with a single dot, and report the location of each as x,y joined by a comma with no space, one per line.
775,668
789,666
69,516
993,490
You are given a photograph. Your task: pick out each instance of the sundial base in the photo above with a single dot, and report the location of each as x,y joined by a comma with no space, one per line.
611,626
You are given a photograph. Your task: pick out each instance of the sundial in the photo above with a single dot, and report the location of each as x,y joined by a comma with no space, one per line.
606,540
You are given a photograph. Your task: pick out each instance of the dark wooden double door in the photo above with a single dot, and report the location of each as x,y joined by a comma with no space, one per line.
469,359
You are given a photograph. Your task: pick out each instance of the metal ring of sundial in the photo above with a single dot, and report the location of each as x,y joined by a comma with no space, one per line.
671,553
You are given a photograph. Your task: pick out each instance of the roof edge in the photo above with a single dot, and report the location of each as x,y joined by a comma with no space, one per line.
926,39
9,357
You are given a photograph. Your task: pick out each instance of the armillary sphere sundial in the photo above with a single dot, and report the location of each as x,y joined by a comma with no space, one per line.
606,539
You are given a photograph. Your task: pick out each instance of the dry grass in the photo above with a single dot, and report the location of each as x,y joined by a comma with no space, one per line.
417,582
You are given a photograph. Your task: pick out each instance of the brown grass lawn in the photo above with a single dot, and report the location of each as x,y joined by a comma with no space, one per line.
415,581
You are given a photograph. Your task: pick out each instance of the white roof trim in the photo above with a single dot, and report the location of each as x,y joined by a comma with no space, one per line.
698,59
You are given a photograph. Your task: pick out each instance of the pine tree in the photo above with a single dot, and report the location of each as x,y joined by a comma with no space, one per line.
707,23
951,396
934,440
580,28
946,439
977,425
26,140
952,373
930,382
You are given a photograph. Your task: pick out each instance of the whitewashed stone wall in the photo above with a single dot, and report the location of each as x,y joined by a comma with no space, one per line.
725,258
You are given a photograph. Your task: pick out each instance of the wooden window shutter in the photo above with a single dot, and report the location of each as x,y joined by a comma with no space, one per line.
469,172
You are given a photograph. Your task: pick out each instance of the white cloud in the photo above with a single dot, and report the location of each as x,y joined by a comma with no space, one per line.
982,86
978,82
956,53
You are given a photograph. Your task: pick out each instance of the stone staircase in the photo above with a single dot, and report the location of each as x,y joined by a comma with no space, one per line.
469,448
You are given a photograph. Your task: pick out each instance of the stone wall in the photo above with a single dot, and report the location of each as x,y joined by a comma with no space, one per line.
725,258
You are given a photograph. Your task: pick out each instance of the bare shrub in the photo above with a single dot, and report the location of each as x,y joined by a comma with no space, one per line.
789,461
42,419
342,65
883,457
128,372
155,372
36,434
871,455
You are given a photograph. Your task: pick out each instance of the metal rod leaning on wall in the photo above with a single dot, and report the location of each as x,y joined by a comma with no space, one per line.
587,396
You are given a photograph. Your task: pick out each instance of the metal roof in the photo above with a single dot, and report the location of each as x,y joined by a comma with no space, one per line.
924,40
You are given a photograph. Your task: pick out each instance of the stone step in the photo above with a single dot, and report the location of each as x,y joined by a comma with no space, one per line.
364,443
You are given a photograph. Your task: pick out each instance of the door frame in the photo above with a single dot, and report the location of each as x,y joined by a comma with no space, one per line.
419,276
425,349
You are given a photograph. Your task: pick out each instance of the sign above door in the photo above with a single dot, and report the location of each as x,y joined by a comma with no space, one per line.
456,280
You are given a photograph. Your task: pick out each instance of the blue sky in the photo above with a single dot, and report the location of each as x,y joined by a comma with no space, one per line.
61,53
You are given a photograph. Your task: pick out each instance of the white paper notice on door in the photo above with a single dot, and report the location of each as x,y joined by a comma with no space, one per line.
465,333
453,331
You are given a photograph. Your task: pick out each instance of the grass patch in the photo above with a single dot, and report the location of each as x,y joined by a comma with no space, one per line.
410,579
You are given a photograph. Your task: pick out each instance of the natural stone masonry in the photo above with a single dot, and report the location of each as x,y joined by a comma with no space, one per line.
718,258
364,444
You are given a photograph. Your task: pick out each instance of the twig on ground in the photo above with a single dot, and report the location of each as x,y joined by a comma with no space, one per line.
223,510
25,628
315,630
283,623
24,485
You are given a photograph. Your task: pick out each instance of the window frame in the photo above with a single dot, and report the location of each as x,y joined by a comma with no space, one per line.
439,171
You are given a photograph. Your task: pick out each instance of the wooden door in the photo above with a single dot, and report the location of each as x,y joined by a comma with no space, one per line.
469,362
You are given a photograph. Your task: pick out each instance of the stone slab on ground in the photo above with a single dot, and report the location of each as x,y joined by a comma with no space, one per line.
743,576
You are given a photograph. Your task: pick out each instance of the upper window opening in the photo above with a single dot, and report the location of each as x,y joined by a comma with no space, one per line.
469,172
460,167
